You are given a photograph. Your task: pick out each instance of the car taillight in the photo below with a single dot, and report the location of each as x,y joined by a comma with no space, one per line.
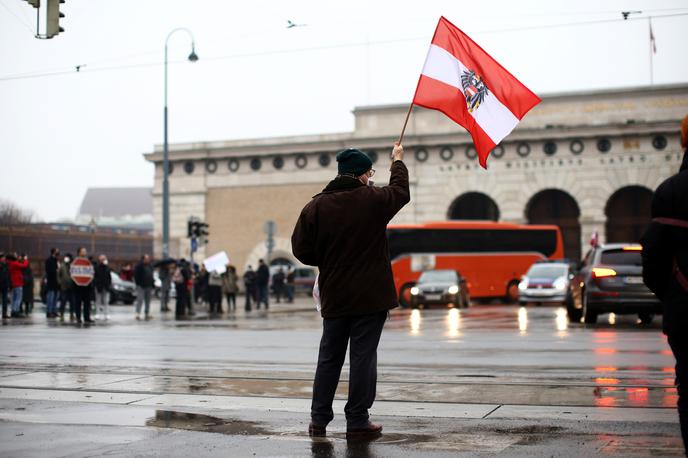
633,248
603,272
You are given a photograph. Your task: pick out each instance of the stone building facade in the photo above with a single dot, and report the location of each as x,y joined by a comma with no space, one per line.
585,161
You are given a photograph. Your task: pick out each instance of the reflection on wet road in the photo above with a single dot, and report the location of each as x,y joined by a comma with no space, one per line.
483,354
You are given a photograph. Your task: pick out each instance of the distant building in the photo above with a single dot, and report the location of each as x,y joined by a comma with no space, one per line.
587,162
117,207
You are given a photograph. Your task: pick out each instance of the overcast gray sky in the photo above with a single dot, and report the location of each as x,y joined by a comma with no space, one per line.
63,133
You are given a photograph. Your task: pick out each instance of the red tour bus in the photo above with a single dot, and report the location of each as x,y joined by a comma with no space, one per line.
491,256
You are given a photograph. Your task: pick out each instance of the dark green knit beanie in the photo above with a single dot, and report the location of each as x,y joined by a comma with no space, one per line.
353,162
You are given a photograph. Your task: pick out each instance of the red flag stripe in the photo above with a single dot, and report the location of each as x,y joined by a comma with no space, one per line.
436,95
502,84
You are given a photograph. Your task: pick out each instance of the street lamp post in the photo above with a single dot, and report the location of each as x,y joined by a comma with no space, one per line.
165,152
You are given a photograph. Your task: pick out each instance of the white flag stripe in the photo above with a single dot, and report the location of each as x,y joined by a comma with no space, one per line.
492,116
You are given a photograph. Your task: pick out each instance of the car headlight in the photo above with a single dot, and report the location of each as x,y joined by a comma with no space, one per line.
523,285
560,283
415,291
453,289
118,287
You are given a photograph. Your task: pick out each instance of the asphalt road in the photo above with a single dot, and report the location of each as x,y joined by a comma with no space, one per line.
488,380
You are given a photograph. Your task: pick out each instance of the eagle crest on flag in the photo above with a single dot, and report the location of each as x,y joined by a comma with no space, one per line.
474,89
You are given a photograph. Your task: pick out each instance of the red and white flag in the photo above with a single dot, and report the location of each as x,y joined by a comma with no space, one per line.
465,83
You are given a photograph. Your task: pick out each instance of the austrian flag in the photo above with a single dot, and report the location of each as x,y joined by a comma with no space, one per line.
465,83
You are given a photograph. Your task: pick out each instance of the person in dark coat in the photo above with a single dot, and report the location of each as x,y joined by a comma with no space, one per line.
102,280
67,285
262,282
665,269
27,295
278,284
342,230
82,295
250,286
181,277
52,286
4,285
145,282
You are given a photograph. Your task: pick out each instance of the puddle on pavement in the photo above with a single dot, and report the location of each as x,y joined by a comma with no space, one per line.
206,423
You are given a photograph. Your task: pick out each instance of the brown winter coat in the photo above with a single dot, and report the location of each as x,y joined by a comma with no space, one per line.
342,230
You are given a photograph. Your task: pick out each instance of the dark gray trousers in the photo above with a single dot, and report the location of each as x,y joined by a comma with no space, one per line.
364,333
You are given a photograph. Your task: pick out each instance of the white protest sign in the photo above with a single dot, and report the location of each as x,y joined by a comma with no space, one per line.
217,262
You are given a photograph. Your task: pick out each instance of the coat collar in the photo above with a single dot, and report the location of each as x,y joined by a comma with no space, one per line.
342,183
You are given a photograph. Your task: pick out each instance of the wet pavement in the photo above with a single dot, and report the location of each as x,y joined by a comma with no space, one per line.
490,379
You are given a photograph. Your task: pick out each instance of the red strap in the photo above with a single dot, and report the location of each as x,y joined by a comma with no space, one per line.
680,278
672,222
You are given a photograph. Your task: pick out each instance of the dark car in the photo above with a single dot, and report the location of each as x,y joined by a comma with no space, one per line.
611,280
121,290
546,282
304,277
440,287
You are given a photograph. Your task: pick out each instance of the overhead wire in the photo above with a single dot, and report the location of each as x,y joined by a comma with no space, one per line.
91,67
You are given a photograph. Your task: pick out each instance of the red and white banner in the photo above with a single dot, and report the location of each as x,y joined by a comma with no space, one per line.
465,83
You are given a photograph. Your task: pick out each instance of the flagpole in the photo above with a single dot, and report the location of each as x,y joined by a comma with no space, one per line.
652,70
403,129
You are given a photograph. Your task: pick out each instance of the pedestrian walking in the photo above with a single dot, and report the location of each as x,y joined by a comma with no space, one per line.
342,232
278,284
201,286
262,282
82,294
181,279
214,293
4,286
27,294
103,281
665,269
126,273
165,275
143,277
230,287
291,277
52,286
16,265
250,286
66,287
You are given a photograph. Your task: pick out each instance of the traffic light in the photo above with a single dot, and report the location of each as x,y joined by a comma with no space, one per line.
53,18
203,229
189,229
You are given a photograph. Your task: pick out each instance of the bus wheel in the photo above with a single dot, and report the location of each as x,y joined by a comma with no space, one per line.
405,295
511,292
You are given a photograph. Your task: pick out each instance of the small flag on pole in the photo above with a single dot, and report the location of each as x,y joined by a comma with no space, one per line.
465,83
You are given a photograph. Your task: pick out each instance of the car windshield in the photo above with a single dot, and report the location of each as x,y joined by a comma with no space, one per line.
546,271
621,257
438,276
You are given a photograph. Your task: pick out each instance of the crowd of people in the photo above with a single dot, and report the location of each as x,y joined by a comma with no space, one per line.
83,303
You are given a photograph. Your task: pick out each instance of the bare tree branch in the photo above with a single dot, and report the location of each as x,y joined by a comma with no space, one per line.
11,214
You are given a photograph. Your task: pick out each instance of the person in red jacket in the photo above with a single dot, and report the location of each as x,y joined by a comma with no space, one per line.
16,266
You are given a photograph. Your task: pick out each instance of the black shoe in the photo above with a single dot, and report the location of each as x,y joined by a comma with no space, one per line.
90,321
369,430
317,431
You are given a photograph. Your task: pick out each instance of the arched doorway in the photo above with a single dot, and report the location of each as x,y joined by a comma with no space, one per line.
628,214
473,205
553,206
